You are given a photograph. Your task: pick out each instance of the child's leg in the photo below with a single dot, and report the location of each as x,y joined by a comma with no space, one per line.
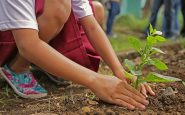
99,12
55,15
50,23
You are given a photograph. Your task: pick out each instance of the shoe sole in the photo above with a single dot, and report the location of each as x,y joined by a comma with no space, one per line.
31,96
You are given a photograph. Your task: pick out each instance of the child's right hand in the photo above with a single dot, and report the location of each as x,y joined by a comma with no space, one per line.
113,90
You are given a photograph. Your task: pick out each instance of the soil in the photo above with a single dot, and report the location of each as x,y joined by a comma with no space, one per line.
75,99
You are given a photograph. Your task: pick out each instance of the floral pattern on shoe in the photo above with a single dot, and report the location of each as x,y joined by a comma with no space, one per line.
24,84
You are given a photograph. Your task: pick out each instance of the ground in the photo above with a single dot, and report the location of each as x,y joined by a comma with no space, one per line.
76,99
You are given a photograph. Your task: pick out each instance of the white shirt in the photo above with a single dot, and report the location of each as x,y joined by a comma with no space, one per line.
16,14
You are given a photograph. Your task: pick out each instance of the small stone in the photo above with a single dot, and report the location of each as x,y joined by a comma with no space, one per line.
162,85
92,102
21,105
178,113
86,109
58,104
107,67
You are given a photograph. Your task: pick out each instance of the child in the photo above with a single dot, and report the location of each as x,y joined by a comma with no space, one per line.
113,7
19,17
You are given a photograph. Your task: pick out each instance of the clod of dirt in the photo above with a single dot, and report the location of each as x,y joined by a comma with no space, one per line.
167,100
169,91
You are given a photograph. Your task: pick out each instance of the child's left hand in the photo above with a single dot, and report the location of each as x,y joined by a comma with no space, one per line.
144,87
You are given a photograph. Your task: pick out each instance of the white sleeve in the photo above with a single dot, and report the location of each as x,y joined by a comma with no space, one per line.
16,14
81,8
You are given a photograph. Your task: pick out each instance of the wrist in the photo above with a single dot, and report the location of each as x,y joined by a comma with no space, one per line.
96,82
119,72
117,68
91,81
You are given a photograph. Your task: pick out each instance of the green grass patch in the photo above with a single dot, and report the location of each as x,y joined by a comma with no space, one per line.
121,43
131,23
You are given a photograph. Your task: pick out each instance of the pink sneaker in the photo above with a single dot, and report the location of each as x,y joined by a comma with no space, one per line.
24,84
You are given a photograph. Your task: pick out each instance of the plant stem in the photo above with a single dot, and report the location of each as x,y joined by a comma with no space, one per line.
144,56
138,81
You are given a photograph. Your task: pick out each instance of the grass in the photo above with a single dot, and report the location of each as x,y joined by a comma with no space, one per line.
126,26
131,23
120,43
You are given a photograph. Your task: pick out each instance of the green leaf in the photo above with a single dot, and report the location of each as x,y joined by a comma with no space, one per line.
134,72
157,50
151,29
130,64
154,30
132,67
158,64
136,43
155,77
183,82
128,75
160,38
151,40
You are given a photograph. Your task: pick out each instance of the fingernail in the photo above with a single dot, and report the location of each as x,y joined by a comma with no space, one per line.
146,102
143,107
153,93
145,95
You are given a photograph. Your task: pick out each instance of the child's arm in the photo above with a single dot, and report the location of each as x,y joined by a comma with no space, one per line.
110,89
102,45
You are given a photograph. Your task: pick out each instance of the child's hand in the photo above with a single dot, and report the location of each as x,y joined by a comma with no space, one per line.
113,90
145,88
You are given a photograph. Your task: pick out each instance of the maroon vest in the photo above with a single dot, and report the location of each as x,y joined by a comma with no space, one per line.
71,42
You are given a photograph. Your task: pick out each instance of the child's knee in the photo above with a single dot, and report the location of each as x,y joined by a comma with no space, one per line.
62,11
99,11
55,15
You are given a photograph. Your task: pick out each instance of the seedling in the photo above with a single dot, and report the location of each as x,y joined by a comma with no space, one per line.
146,53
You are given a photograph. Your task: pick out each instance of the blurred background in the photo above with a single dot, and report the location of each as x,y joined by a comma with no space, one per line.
130,18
